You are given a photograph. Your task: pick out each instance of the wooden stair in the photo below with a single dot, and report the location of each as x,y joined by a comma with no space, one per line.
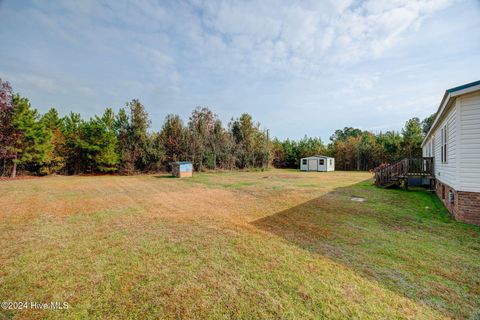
398,173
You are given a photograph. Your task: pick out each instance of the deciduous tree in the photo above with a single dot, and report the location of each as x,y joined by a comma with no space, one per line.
7,130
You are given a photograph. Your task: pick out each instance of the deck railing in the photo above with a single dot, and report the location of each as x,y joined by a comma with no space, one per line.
420,166
408,167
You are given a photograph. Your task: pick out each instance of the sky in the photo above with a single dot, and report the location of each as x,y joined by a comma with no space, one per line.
298,67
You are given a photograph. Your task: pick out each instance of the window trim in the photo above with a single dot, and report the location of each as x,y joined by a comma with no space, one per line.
444,144
304,162
321,162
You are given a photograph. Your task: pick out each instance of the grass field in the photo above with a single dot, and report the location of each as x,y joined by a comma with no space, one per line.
278,244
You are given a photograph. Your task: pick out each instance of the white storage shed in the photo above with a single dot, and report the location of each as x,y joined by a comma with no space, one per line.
317,163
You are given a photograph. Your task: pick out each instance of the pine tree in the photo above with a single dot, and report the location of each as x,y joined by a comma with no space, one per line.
55,161
107,158
138,135
71,130
32,143
133,137
412,138
122,130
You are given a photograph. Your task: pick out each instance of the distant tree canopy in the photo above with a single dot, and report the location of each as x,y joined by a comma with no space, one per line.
412,138
288,153
123,143
427,123
353,148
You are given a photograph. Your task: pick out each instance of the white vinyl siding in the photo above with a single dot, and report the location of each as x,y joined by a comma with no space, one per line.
427,150
446,169
469,146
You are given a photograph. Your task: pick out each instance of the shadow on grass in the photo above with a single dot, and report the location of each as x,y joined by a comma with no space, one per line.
165,177
403,240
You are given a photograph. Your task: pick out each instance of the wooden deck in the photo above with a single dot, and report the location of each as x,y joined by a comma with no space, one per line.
398,173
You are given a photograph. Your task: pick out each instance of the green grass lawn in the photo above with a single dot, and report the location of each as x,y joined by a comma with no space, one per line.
279,244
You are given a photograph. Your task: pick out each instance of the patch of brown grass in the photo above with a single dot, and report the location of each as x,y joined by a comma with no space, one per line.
218,245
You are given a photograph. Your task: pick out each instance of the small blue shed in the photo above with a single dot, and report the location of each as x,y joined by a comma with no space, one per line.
182,169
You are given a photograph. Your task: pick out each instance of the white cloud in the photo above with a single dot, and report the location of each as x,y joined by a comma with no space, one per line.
303,38
367,31
269,57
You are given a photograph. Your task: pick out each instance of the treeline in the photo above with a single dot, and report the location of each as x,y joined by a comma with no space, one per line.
121,142
287,153
355,149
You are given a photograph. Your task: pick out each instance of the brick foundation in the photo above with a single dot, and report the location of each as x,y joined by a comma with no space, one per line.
465,206
469,203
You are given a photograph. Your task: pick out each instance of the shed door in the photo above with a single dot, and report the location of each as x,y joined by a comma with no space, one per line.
312,164
322,164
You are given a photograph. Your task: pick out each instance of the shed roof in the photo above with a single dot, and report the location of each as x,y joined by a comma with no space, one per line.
181,162
317,156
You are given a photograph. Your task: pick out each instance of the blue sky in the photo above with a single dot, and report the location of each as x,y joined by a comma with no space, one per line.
298,67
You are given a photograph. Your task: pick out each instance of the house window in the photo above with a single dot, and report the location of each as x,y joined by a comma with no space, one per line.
331,162
443,139
433,146
304,162
321,162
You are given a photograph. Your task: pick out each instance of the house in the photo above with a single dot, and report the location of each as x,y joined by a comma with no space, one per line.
454,144
182,169
317,163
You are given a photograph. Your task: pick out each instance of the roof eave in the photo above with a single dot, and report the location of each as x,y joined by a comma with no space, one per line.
446,98
449,96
